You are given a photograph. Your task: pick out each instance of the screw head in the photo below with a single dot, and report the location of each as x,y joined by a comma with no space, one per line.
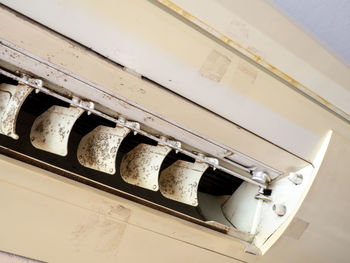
261,177
295,178
279,209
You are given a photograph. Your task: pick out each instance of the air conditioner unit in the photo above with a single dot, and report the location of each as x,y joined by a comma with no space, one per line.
220,185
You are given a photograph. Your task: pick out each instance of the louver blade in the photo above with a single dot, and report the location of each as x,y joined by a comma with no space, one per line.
98,149
51,130
180,181
142,164
11,100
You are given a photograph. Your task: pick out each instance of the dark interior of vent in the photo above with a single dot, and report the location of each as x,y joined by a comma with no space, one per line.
4,79
213,184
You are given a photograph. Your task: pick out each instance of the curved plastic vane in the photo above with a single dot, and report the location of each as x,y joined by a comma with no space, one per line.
180,181
11,100
51,130
142,164
98,149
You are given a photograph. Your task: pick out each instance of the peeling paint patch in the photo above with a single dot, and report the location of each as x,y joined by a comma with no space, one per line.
238,31
247,70
98,233
120,211
215,66
297,228
116,211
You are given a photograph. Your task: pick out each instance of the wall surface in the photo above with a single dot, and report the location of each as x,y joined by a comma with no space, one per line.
326,21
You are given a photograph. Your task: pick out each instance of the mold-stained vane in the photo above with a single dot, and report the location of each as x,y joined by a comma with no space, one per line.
142,164
11,100
180,181
51,130
98,149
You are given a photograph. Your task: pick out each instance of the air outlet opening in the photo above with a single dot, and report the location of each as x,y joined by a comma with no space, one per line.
147,167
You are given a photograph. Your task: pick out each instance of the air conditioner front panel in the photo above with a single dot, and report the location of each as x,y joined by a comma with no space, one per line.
88,92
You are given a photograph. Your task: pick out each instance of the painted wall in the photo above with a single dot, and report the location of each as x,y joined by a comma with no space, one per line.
326,21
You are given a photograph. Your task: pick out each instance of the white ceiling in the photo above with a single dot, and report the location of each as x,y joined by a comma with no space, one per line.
327,21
